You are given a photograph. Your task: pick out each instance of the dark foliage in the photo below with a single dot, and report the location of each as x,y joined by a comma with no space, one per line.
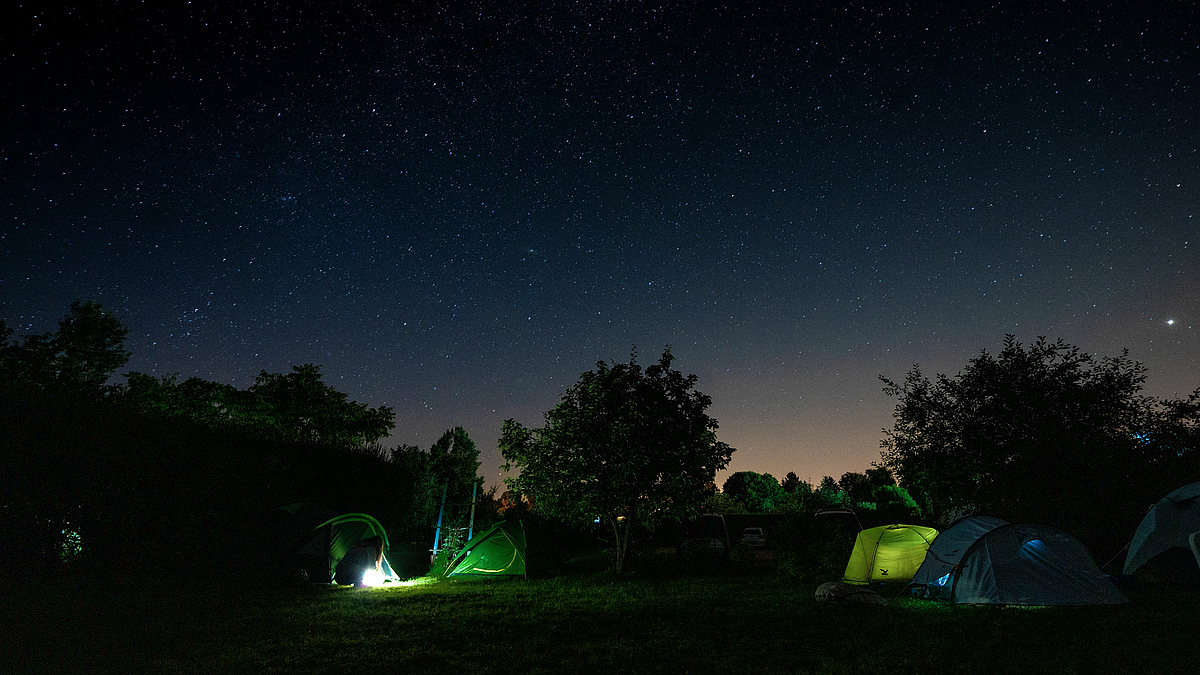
87,349
628,445
138,493
813,548
296,406
162,476
757,492
1042,434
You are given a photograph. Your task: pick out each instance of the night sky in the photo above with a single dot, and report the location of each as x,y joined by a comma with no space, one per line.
456,208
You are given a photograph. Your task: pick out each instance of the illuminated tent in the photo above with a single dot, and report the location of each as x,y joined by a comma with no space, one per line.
306,541
498,551
888,553
932,579
1160,548
1030,564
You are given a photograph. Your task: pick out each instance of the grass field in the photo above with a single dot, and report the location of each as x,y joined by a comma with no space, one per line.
664,622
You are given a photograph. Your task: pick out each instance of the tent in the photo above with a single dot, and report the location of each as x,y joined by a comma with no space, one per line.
888,553
307,541
1030,564
932,579
498,551
1160,547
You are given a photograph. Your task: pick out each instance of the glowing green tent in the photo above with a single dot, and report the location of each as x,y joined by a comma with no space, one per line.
497,551
311,542
888,553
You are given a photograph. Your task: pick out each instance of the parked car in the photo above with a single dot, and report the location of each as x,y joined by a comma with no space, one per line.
706,538
754,537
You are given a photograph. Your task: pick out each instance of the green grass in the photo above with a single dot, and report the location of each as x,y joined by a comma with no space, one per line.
581,623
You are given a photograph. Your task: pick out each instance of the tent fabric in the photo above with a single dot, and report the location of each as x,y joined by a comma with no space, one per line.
888,553
305,541
1169,523
344,532
933,577
498,551
1029,564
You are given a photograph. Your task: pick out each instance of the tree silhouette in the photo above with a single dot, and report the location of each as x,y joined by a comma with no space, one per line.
631,446
1046,433
87,349
758,492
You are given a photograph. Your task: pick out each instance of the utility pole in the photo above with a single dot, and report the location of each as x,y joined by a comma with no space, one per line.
471,528
437,532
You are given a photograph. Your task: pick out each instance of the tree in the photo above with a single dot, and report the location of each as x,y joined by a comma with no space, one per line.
293,406
87,349
1043,433
631,446
454,463
856,486
414,493
894,504
301,406
791,483
90,345
758,492
209,403
880,476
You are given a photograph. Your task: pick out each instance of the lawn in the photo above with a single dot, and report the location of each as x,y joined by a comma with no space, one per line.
753,622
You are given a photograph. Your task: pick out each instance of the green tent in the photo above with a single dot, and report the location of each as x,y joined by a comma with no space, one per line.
346,532
307,541
497,551
888,553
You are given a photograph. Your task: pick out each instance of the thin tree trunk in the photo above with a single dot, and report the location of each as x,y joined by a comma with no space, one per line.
621,543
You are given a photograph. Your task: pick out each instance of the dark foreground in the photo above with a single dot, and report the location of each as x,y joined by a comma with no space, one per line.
666,623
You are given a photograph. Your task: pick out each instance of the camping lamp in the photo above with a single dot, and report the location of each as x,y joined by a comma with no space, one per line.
373,577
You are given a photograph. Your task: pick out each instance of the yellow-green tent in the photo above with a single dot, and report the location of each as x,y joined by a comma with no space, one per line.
888,553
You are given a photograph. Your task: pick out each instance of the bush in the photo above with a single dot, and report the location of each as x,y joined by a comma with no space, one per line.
812,548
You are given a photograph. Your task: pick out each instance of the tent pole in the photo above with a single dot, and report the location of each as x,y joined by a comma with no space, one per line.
437,532
474,491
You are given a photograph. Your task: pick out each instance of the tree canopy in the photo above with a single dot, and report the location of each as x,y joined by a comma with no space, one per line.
791,484
1045,433
453,467
304,407
758,492
87,349
631,446
288,406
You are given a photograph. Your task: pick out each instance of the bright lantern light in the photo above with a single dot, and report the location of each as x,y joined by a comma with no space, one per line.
373,577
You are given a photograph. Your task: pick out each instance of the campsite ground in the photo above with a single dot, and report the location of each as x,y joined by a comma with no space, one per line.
748,620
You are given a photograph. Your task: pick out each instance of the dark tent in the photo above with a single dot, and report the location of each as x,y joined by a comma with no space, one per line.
1029,564
932,579
1160,549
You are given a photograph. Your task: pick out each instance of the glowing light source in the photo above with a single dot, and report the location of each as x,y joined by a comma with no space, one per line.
1170,322
1033,548
373,577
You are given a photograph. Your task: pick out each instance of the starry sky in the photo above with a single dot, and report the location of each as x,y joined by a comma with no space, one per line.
456,208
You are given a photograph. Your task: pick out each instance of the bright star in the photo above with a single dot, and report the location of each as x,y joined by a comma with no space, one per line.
1170,322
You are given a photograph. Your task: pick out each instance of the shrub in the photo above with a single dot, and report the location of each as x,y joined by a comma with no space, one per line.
811,548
